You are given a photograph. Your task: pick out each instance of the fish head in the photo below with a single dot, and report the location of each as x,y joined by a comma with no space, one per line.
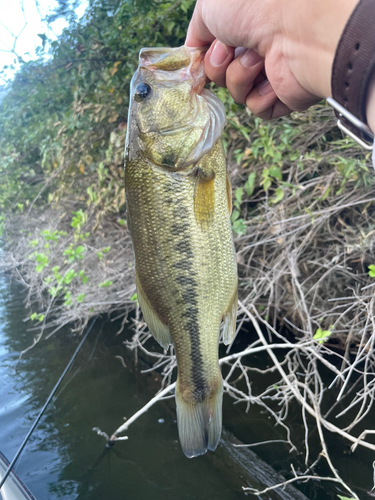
173,120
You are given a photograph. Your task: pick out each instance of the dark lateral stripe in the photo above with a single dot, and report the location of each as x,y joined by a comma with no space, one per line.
192,327
188,286
184,247
180,212
187,281
184,265
179,229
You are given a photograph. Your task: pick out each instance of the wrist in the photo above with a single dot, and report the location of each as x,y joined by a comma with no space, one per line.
314,31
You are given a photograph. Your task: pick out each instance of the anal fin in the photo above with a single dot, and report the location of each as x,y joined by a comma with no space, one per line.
229,319
159,330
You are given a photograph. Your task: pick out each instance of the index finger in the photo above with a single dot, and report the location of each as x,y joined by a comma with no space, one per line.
198,35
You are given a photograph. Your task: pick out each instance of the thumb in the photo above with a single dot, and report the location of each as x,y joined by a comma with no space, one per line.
198,35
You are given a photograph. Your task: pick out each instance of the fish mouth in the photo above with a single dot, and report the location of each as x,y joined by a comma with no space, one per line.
175,64
167,67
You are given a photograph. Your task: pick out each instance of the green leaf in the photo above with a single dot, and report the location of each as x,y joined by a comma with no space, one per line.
79,250
170,25
49,236
184,6
322,335
250,184
121,222
235,215
239,227
106,249
68,251
56,273
279,196
275,172
238,194
80,297
67,298
345,498
39,268
267,184
371,272
41,317
33,316
70,275
134,297
93,196
42,259
106,284
82,275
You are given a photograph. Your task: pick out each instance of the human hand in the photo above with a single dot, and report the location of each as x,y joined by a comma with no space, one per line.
275,56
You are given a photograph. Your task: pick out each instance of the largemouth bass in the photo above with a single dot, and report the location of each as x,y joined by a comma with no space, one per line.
178,210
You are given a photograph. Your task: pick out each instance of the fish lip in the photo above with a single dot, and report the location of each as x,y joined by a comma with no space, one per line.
214,125
193,69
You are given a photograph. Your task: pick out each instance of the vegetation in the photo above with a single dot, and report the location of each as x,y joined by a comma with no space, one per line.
303,218
62,133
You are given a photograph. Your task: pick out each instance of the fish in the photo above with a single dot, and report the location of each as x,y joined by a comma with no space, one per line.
178,199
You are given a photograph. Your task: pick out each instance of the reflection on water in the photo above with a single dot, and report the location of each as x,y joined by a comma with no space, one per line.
65,460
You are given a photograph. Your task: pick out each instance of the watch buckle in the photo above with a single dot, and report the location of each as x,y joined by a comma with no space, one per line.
367,135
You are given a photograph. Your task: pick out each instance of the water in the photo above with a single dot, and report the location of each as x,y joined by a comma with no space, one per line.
65,459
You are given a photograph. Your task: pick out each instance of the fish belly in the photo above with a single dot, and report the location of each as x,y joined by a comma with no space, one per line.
186,277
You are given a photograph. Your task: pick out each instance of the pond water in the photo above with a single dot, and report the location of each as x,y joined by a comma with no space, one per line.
65,459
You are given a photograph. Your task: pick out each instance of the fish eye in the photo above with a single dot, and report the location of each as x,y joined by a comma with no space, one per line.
142,90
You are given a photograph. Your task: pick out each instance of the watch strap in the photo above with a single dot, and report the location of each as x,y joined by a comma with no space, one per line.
354,64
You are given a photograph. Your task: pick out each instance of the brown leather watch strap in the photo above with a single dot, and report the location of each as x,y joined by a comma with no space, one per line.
354,62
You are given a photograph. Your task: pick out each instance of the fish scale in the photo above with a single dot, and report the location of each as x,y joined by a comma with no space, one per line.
179,222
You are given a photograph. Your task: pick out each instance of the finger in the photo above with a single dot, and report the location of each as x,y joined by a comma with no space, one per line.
198,35
216,62
264,103
275,111
242,73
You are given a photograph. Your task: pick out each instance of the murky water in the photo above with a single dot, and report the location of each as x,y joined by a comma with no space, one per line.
65,459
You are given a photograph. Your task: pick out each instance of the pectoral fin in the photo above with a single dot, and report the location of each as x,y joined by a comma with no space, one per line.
159,330
229,318
204,199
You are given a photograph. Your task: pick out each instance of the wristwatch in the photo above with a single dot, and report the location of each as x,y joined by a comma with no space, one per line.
352,70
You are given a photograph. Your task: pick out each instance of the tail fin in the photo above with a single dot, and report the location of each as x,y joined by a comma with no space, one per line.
199,424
